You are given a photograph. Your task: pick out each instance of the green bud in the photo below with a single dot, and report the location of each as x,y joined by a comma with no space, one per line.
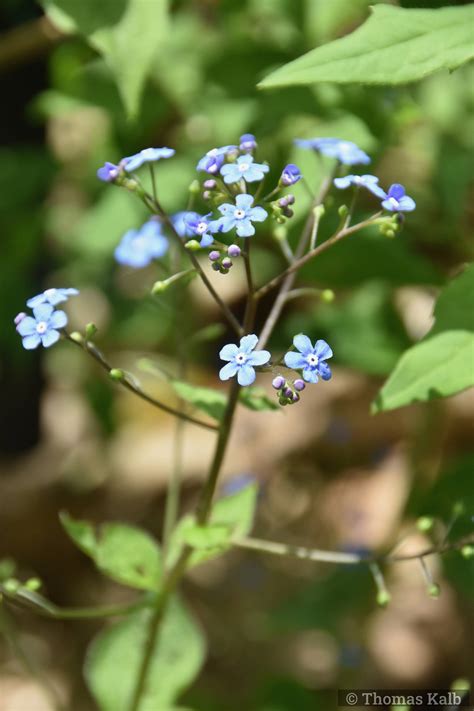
117,374
195,187
193,245
425,523
159,287
319,211
91,330
383,598
281,220
467,552
33,584
76,336
459,508
129,183
11,585
343,211
327,296
434,590
390,233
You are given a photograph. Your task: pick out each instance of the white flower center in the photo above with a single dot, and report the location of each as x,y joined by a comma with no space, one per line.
241,358
140,243
312,360
201,227
243,167
41,327
393,201
239,214
358,180
213,152
49,293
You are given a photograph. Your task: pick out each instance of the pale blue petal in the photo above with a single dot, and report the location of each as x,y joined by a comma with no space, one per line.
303,344
58,320
228,352
324,371
206,240
244,201
244,228
253,174
231,173
43,312
322,350
310,375
31,342
258,214
49,338
343,183
36,301
406,204
228,371
226,208
259,358
246,375
226,223
248,343
27,326
294,360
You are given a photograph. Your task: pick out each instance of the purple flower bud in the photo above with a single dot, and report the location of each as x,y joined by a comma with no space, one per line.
288,212
290,175
290,199
248,142
209,184
299,385
233,250
216,267
206,195
283,202
278,382
295,397
109,172
214,255
226,263
288,392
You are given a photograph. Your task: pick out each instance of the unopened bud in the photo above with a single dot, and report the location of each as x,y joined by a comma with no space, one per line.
77,337
299,385
327,296
383,598
193,245
226,263
213,255
159,287
343,211
467,552
295,397
390,234
33,584
11,585
206,195
319,211
91,330
216,266
195,187
278,382
288,392
434,590
425,523
117,374
234,250
209,184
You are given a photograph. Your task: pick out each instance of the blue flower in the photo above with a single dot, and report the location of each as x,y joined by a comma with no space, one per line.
310,359
243,168
346,152
43,328
198,225
147,155
51,296
108,172
138,248
290,175
214,159
179,222
248,142
241,359
370,182
397,201
241,215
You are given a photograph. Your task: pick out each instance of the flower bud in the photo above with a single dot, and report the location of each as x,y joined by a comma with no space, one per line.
209,184
226,263
33,584
159,287
467,552
288,392
434,590
290,199
213,255
248,142
77,337
283,401
295,397
195,187
216,266
234,250
383,598
343,211
290,175
327,296
425,523
207,195
193,245
299,385
90,330
223,270
278,382
288,212
11,585
117,374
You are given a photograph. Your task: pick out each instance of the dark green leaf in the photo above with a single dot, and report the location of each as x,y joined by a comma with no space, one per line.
394,46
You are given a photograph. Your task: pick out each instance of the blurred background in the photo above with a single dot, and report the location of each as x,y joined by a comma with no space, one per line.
281,633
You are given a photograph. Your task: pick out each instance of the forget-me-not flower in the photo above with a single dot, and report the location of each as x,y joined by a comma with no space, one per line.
199,226
248,142
310,359
241,215
214,159
51,296
370,182
138,248
108,172
242,359
41,328
345,152
397,201
290,175
147,155
243,168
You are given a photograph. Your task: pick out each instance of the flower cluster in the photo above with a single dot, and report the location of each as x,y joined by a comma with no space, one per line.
43,328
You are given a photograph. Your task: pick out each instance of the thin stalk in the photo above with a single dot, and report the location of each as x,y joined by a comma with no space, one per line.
153,181
133,387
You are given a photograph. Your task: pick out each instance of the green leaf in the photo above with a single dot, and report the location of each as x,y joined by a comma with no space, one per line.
122,552
127,33
454,308
394,46
114,657
233,513
212,402
129,555
437,367
256,398
81,532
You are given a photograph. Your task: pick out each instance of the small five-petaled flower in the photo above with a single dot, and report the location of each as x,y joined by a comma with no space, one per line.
241,359
310,359
241,215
